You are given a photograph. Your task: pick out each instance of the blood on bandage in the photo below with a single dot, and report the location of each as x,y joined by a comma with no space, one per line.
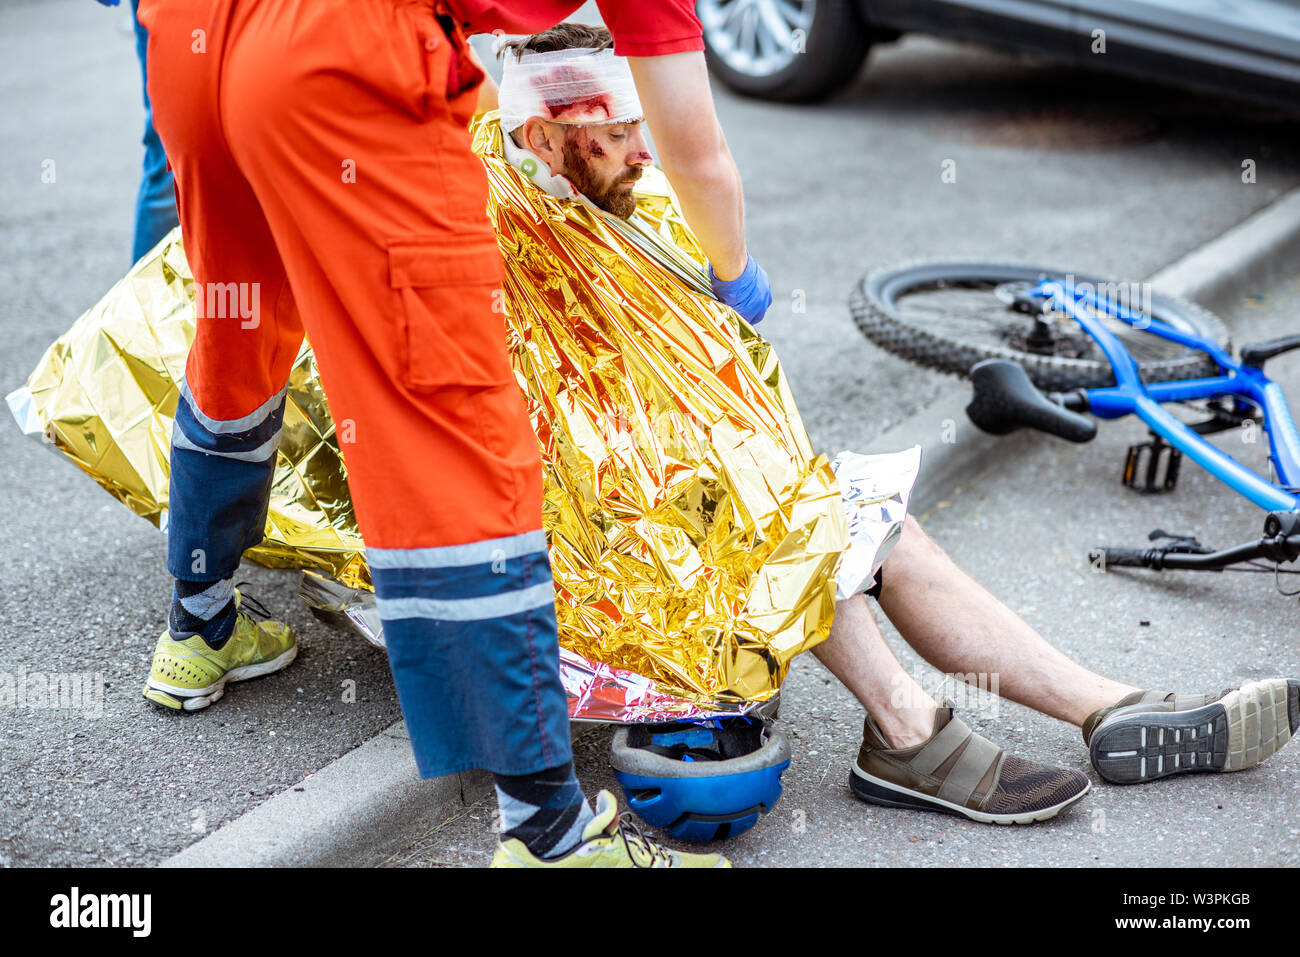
568,86
555,88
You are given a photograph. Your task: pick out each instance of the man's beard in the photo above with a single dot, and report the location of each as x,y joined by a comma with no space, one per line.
610,197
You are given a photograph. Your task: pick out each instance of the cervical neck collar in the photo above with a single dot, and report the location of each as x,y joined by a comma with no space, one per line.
535,168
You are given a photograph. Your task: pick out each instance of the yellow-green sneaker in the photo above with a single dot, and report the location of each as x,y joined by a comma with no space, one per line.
189,674
610,840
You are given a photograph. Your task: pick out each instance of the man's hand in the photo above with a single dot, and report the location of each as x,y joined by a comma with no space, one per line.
750,294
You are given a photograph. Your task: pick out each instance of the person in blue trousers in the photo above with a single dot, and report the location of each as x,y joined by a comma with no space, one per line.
155,202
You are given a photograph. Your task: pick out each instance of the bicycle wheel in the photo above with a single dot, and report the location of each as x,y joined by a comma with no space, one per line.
950,315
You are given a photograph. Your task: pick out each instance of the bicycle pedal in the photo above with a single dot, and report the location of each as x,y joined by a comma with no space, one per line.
1152,467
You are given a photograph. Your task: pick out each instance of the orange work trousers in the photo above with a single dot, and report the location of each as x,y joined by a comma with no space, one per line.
323,166
325,181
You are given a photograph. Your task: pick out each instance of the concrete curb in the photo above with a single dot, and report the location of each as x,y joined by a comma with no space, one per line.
1251,256
953,451
357,811
362,808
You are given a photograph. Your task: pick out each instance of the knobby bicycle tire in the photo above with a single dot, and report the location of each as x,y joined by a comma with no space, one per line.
875,310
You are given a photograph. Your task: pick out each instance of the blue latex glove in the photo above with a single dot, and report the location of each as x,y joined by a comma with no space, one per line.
750,293
110,3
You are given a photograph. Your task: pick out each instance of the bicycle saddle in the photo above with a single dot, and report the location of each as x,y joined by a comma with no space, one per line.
1005,400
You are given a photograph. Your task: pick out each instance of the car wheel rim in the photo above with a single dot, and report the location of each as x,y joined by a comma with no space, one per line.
756,37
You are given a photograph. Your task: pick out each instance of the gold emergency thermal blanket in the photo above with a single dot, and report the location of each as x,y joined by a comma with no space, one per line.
694,536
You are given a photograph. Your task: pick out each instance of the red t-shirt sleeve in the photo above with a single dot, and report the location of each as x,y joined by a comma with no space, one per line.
652,27
511,16
640,27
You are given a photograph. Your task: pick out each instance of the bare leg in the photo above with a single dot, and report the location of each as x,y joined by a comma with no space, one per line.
856,654
958,627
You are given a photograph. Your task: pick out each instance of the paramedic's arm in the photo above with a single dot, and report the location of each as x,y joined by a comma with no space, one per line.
487,91
674,91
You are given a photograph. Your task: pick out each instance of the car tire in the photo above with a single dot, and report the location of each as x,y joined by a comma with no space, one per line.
835,44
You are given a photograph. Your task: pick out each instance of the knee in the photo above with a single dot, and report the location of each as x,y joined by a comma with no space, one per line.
913,536
913,544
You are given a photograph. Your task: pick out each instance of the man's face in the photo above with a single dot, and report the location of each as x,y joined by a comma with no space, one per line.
604,161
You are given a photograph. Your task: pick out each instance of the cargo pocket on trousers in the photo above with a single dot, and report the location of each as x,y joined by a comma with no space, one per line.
451,312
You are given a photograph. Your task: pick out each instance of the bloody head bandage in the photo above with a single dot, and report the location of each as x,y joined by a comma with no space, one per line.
576,86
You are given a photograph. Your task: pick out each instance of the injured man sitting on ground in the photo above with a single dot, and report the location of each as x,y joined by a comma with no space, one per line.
697,542
915,753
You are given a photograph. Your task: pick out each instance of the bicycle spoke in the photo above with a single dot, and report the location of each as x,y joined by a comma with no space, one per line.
970,312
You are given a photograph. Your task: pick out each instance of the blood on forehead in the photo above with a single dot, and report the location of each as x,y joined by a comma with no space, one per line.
556,88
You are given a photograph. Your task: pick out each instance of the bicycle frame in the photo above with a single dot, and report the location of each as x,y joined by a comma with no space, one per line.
1130,396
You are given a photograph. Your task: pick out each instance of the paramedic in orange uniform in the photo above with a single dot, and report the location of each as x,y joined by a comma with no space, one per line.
326,184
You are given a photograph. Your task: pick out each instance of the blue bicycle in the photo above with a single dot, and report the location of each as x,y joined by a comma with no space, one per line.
1043,347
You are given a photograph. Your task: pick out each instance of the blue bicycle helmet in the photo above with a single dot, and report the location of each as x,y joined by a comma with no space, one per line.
701,781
